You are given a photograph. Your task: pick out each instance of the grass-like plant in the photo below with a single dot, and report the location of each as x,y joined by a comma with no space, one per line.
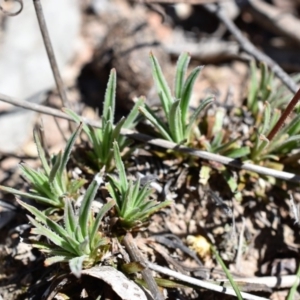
265,100
133,203
78,241
286,140
264,86
51,184
101,139
179,123
217,141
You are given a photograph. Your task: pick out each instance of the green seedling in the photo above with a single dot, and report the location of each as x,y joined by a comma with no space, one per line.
77,242
133,203
266,98
52,184
179,125
264,86
101,139
219,143
286,140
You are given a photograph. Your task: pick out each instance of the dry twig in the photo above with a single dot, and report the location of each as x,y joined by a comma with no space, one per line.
248,47
160,142
136,256
50,52
200,283
280,282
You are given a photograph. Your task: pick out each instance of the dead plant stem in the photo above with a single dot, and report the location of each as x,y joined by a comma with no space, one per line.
50,52
160,142
136,256
201,283
249,48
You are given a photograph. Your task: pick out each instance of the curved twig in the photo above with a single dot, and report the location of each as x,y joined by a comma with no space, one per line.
12,14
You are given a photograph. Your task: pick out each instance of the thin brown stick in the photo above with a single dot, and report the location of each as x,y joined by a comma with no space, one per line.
50,52
249,48
289,109
160,142
136,256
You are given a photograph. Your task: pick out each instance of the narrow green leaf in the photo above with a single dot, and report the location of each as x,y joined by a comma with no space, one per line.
293,290
52,236
181,68
102,242
136,190
84,211
110,97
113,194
38,180
121,169
96,140
75,185
264,75
78,120
143,194
56,259
130,121
117,130
200,108
75,265
78,234
175,123
55,168
228,275
84,246
253,89
292,127
289,144
127,201
219,120
40,199
238,152
187,93
67,152
146,213
41,151
264,129
156,122
70,219
107,140
161,85
104,209
51,224
274,118
52,250
217,141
